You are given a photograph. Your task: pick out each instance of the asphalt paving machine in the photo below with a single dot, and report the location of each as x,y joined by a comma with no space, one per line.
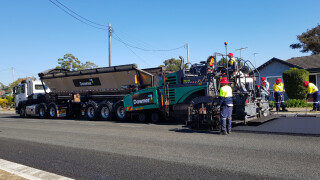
192,93
242,77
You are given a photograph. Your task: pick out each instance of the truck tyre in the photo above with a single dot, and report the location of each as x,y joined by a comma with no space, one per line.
105,110
155,117
92,111
23,111
143,117
52,111
42,111
120,112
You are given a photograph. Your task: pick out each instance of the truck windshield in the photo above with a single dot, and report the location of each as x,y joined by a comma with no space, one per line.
39,87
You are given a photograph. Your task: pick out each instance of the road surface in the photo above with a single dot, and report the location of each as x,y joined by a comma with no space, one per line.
108,150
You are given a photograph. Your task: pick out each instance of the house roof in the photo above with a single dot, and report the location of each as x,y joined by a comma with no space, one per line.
306,62
280,61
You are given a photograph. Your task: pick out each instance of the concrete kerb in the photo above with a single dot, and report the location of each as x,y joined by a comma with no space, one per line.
5,111
297,112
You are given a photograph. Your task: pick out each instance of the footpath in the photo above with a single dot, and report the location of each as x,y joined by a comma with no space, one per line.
7,111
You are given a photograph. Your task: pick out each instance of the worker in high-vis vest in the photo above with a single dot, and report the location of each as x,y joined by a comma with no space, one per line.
312,90
264,89
232,63
225,105
278,89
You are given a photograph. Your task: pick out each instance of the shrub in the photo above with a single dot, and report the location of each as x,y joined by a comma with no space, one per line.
293,103
272,103
3,102
296,103
293,80
10,100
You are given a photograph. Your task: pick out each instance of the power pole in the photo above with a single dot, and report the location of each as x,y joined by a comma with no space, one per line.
110,31
188,52
12,74
240,49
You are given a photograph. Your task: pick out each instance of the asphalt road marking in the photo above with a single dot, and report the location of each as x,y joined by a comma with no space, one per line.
29,172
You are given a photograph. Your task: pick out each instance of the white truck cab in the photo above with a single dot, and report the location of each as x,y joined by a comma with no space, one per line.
26,88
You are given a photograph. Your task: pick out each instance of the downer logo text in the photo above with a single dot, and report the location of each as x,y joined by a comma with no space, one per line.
86,82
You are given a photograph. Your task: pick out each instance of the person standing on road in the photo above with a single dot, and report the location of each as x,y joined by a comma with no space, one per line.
225,105
278,89
313,91
264,88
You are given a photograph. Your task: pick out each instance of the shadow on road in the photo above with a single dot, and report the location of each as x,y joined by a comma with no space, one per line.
185,129
174,122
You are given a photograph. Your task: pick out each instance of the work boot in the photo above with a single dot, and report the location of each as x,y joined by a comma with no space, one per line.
229,132
223,133
284,109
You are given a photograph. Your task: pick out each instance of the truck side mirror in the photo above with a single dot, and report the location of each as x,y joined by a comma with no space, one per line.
14,90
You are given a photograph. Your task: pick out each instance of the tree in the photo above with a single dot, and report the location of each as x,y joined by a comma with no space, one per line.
2,86
293,81
88,65
223,62
309,41
70,62
15,83
172,64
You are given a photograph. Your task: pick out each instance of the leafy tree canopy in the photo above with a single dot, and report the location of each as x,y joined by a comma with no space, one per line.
2,86
172,64
309,41
72,63
15,83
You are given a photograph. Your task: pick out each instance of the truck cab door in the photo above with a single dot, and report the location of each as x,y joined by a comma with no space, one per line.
21,94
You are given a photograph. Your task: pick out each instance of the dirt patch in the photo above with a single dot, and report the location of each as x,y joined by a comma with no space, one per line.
4,175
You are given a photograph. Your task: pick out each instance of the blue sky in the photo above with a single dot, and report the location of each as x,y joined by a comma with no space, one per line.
35,33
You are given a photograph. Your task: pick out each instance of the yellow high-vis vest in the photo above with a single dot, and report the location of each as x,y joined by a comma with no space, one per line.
312,88
225,91
278,87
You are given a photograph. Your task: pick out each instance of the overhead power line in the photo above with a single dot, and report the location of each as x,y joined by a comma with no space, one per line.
80,15
143,49
83,21
120,40
95,25
143,45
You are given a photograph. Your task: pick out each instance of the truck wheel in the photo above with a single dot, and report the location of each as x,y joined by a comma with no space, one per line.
52,112
92,111
155,117
23,112
42,112
120,112
142,117
105,112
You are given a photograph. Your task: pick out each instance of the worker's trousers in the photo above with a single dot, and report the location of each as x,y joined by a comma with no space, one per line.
278,97
226,118
316,97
